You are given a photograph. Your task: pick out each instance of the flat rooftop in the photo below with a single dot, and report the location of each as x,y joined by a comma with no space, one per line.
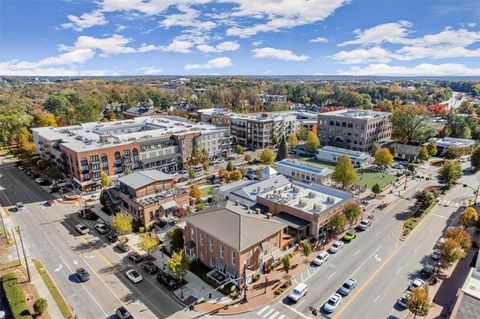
313,199
452,142
343,151
265,116
356,113
322,171
95,135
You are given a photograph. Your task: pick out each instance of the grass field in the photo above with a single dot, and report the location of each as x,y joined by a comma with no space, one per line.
206,190
315,162
369,179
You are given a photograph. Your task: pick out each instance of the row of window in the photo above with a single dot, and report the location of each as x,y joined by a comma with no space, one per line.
212,247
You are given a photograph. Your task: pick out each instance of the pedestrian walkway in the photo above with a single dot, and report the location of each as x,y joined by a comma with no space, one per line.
268,312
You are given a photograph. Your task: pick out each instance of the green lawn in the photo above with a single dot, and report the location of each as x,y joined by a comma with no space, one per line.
206,191
371,178
315,162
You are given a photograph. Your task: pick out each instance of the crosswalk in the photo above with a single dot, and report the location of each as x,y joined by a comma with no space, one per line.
28,253
268,312
450,203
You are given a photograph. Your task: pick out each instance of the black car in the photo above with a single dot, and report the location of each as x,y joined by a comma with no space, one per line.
123,313
168,280
427,271
151,268
135,257
112,237
82,274
123,247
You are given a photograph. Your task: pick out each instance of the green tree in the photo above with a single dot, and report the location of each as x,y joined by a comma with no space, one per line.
248,157
337,222
418,302
423,154
344,172
409,125
432,149
423,199
312,142
40,306
235,175
148,243
238,149
205,166
178,265
176,238
376,189
469,217
450,252
267,156
383,157
352,211
286,263
122,223
258,173
475,159
411,168
307,249
449,173
104,180
229,166
292,140
191,172
282,150
303,133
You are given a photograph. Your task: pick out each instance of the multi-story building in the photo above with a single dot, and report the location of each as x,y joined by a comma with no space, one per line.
354,129
163,143
259,130
331,154
303,172
271,98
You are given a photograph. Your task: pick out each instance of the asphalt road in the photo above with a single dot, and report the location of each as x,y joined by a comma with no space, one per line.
49,235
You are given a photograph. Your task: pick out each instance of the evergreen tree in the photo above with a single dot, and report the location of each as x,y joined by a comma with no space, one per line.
282,150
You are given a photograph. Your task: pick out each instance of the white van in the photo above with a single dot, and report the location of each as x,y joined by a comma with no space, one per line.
298,292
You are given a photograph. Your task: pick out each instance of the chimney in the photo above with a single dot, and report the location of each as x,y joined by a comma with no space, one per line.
236,203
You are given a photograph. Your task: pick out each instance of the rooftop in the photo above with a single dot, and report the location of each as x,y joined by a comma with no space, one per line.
266,116
305,167
140,179
356,113
343,151
251,191
313,199
452,142
236,226
94,135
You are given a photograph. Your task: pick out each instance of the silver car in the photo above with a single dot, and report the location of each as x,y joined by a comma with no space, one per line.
332,303
347,287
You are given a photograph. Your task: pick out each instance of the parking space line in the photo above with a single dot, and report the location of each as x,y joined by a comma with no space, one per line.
268,313
331,275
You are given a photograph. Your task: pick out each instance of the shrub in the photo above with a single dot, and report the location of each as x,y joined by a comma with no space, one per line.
40,306
15,297
141,229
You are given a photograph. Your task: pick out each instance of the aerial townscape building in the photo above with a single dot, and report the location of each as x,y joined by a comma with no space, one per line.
331,154
259,130
163,143
354,129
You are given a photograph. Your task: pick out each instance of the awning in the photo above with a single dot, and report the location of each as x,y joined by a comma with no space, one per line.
291,221
169,204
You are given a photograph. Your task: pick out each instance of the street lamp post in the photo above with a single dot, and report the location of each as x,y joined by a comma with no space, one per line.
266,281
245,281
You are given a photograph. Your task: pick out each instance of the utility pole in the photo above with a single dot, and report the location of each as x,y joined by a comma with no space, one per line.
24,254
16,245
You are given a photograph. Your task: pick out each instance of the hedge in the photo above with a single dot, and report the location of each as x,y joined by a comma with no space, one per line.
15,297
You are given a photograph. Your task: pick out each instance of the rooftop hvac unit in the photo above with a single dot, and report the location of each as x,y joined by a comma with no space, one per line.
312,194
330,199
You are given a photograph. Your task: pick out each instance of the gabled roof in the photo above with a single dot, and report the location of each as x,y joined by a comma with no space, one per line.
238,230
140,179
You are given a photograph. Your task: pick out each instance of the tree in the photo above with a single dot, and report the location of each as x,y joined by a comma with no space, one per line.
104,180
198,156
148,243
423,154
267,156
469,217
312,142
286,263
40,306
292,140
122,223
450,252
409,125
307,249
238,149
418,302
475,159
258,173
191,172
235,175
176,238
195,192
352,211
178,265
248,157
44,118
438,109
432,149
383,157
449,173
376,189
303,133
337,223
223,174
344,172
411,168
423,199
282,150
229,166
460,235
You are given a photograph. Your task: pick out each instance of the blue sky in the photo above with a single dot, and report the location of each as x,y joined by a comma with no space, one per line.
248,37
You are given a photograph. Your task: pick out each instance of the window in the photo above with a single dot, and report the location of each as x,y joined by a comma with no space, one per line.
211,245
222,252
201,239
94,158
234,258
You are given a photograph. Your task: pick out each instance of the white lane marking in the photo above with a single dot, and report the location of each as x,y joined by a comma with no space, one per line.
263,310
376,298
89,256
398,271
274,315
296,311
416,248
328,276
376,234
365,261
75,262
356,252
281,317
268,313
58,268
298,304
377,258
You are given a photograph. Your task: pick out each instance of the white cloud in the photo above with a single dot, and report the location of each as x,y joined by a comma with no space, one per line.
149,70
221,47
363,55
218,63
188,18
85,21
394,32
147,7
435,52
424,69
280,54
319,40
119,28
178,46
449,36
257,43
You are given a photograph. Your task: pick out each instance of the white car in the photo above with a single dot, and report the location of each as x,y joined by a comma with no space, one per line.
332,303
364,223
435,254
402,301
134,276
298,292
347,287
19,206
39,180
336,247
416,283
321,258
101,228
82,229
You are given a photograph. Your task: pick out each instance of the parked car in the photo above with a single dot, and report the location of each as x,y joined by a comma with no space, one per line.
298,292
50,202
82,274
364,223
151,268
182,179
347,286
123,247
102,228
402,301
134,276
168,280
19,206
135,257
416,283
435,254
350,235
332,303
427,271
321,258
112,237
123,313
336,247
82,229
